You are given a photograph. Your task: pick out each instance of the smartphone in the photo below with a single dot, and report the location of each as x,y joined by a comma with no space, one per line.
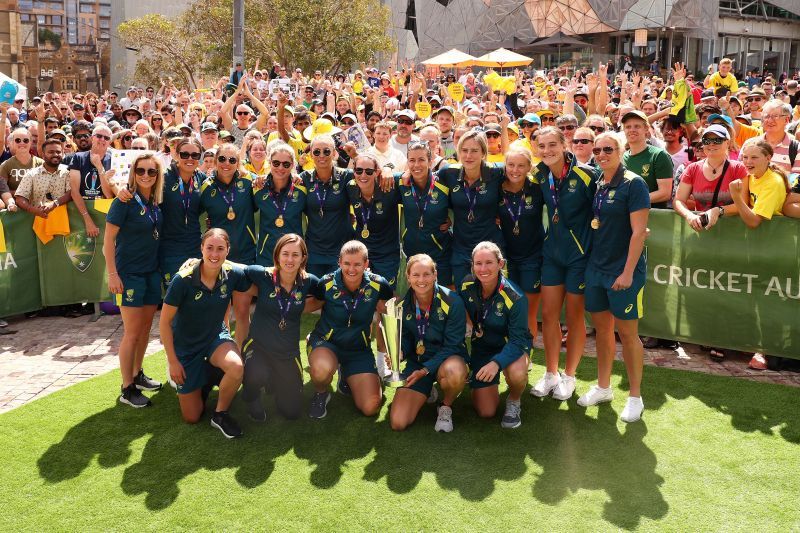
704,219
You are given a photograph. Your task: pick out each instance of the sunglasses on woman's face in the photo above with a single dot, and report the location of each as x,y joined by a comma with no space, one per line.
231,160
324,151
127,138
284,164
22,141
548,119
581,141
367,171
597,129
151,172
713,140
526,125
242,113
158,119
138,148
348,123
187,155
567,127
605,149
492,135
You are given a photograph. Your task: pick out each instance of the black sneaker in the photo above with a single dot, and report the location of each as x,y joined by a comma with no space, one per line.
649,343
342,386
143,382
256,411
133,397
319,404
226,424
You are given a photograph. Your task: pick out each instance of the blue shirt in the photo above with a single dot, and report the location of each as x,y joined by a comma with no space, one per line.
526,207
181,235
291,201
201,311
625,194
435,202
241,230
136,248
505,337
90,181
382,221
326,233
340,324
275,304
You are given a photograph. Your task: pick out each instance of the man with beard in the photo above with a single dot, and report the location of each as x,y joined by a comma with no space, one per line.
45,187
405,125
82,135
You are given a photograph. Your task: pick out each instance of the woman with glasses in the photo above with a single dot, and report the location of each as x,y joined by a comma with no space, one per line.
122,139
281,202
567,124
327,207
568,188
596,123
474,196
616,272
582,144
426,213
157,123
131,242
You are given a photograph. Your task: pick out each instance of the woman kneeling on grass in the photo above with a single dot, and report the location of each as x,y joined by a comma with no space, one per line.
434,323
197,342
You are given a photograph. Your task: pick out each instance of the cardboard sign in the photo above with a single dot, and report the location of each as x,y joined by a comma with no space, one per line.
288,86
456,91
423,109
121,161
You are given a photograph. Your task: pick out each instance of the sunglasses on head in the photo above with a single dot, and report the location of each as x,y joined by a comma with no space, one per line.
101,136
321,151
567,127
713,140
187,155
284,164
581,141
231,160
367,171
604,149
242,113
151,172
405,121
19,140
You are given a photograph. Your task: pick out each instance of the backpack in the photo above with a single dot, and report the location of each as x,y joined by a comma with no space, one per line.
794,147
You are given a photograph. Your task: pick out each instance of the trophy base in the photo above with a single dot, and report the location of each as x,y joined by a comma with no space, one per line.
395,383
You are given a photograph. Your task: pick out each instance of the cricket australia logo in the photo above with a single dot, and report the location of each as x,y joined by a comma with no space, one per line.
80,249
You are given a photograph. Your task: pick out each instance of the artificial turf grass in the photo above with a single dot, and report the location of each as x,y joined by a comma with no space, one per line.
712,453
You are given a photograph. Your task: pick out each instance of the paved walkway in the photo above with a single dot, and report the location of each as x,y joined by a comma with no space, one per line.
50,353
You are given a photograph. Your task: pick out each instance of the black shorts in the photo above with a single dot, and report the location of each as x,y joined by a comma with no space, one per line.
283,378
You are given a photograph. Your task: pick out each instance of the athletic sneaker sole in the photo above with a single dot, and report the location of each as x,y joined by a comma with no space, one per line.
536,393
135,406
217,426
149,389
506,426
324,409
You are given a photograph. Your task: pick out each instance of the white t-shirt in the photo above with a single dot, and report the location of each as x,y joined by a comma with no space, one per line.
391,155
402,148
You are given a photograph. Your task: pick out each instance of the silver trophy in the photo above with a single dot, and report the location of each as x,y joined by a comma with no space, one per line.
392,330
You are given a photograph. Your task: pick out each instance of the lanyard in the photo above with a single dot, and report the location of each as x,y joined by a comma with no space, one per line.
554,191
484,307
321,199
424,207
281,302
152,214
275,196
510,208
423,319
186,200
472,198
599,198
354,301
232,189
366,213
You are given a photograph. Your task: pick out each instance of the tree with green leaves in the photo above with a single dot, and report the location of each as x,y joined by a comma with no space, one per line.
310,34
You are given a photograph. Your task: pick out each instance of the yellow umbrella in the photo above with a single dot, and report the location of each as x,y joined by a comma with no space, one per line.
502,58
451,58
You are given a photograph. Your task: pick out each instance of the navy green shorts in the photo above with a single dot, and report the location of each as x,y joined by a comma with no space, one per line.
351,363
140,289
424,385
475,364
572,276
320,269
169,266
461,267
196,366
624,305
526,274
386,269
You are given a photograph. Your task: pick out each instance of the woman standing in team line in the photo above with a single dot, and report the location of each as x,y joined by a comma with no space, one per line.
568,189
500,337
425,212
341,338
616,272
272,354
434,323
281,202
521,221
194,335
474,196
130,246
227,197
326,207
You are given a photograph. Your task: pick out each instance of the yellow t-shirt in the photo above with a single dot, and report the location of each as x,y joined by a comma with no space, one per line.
523,143
767,194
296,142
728,81
495,158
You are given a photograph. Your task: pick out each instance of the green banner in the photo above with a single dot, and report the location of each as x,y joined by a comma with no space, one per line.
19,266
728,287
72,267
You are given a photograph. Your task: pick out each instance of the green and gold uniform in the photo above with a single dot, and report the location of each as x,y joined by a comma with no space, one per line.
219,201
288,205
181,233
523,211
329,227
652,164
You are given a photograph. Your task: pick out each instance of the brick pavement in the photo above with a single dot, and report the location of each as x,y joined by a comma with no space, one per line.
50,353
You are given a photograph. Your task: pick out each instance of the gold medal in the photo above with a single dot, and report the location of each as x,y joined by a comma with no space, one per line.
420,348
478,332
231,214
279,222
595,223
516,228
282,324
471,217
555,218
364,233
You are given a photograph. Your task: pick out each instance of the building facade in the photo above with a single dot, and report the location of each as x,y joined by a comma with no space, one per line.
757,34
12,63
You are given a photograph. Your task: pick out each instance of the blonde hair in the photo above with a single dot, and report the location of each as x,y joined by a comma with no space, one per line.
552,130
420,258
279,146
766,150
475,135
354,247
520,151
488,246
613,137
588,131
157,193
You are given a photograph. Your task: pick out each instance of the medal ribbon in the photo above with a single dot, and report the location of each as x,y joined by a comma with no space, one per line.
484,304
599,198
152,214
321,199
554,189
423,319
187,199
354,302
231,188
424,207
279,296
510,206
275,196
473,198
366,213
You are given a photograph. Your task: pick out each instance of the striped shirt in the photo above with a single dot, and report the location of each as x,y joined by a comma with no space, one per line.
781,156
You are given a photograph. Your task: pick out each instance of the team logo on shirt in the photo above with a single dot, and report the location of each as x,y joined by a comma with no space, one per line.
367,294
482,190
611,194
175,187
295,196
645,170
440,313
129,295
456,188
265,196
298,297
499,310
407,193
213,193
198,295
628,309
335,188
337,294
573,184
379,208
223,291
142,212
408,316
240,185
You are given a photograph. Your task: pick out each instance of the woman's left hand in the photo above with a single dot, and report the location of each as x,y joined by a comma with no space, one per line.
713,216
415,376
623,282
488,372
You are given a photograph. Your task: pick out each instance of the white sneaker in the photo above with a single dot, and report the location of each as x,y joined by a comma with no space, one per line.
596,395
565,388
633,409
433,397
444,422
545,385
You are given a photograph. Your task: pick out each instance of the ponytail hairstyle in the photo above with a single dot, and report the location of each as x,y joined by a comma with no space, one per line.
767,151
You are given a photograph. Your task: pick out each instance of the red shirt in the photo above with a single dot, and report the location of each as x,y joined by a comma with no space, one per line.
703,190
